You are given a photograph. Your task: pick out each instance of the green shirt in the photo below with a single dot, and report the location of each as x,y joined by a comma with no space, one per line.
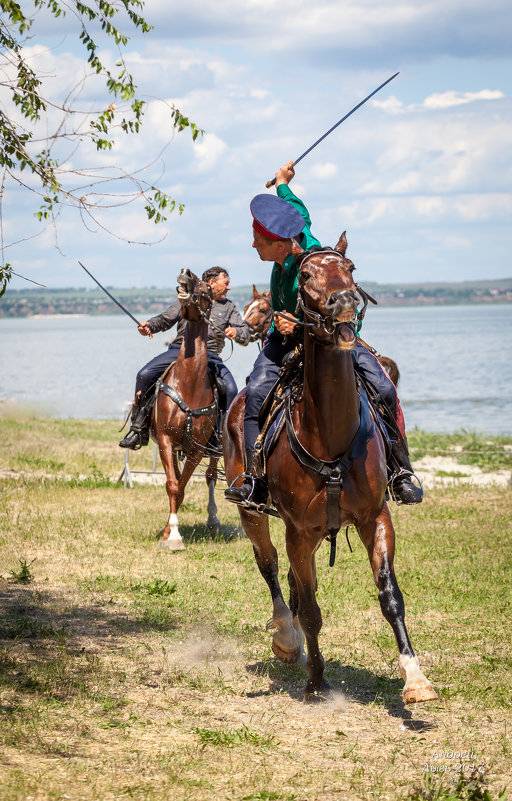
283,280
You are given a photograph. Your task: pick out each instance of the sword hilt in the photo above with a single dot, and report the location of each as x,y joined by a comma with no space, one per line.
270,183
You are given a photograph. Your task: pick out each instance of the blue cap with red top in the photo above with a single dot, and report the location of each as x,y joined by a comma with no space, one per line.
275,218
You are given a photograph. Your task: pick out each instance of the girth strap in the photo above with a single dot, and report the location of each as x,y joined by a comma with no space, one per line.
190,413
333,472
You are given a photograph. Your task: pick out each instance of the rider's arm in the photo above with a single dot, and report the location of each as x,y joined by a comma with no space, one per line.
166,320
284,191
243,332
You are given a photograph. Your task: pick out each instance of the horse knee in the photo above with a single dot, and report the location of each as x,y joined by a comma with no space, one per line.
172,486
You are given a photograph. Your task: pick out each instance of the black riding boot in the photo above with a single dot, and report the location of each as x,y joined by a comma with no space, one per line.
138,435
253,491
401,488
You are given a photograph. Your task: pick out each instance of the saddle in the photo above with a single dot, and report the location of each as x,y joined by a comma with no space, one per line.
276,413
271,417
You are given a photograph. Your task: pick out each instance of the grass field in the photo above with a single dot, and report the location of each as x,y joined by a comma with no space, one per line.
128,672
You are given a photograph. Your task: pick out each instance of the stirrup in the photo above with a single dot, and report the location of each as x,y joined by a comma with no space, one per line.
402,474
246,478
142,439
257,508
248,503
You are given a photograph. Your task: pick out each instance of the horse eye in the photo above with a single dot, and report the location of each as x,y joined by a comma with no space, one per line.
304,276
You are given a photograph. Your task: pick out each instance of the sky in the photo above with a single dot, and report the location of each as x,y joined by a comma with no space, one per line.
420,177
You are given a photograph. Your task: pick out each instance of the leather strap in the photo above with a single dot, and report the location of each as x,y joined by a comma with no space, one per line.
333,472
190,413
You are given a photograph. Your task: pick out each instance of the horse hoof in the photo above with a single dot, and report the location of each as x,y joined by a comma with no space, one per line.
320,695
418,693
289,657
213,529
172,545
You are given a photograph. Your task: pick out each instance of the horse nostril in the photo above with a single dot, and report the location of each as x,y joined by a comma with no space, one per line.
341,300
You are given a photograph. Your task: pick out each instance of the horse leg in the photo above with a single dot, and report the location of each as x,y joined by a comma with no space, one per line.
213,523
294,608
286,640
171,538
286,643
302,561
379,538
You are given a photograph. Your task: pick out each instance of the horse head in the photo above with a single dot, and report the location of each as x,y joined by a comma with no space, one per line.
258,314
194,295
327,295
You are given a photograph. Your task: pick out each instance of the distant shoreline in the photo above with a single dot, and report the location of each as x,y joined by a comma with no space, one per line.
145,303
115,312
47,316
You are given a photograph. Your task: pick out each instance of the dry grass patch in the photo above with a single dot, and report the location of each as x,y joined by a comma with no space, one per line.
127,672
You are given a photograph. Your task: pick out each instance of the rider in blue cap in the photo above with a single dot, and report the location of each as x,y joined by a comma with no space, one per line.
279,225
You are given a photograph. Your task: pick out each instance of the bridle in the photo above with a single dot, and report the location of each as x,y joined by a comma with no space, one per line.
194,298
327,322
257,331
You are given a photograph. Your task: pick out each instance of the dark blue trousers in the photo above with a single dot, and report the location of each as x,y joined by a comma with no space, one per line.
262,379
151,372
266,370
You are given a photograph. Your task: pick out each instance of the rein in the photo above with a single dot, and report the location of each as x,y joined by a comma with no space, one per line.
255,332
205,315
333,473
327,322
195,298
190,413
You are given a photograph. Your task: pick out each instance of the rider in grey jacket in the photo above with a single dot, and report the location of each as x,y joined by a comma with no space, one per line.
225,321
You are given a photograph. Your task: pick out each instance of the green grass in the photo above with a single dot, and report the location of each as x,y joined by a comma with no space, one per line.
491,452
241,736
129,672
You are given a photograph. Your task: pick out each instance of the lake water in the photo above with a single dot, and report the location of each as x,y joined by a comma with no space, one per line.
455,364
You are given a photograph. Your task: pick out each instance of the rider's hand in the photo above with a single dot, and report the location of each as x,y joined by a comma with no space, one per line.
285,174
284,322
144,329
230,332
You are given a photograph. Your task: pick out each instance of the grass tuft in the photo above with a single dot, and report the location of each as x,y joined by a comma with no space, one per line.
467,788
241,736
23,575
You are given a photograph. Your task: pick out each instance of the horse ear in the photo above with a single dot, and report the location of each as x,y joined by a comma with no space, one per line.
296,248
341,245
254,291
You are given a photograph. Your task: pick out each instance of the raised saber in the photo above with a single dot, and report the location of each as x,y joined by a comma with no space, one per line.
273,180
110,296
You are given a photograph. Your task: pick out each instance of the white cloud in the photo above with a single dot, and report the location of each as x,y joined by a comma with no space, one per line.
325,171
451,98
434,153
391,105
345,31
208,151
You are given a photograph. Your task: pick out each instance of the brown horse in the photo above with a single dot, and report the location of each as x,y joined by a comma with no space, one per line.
185,410
391,368
327,470
258,315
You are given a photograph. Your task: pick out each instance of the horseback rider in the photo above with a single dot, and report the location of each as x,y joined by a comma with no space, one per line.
279,223
225,321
